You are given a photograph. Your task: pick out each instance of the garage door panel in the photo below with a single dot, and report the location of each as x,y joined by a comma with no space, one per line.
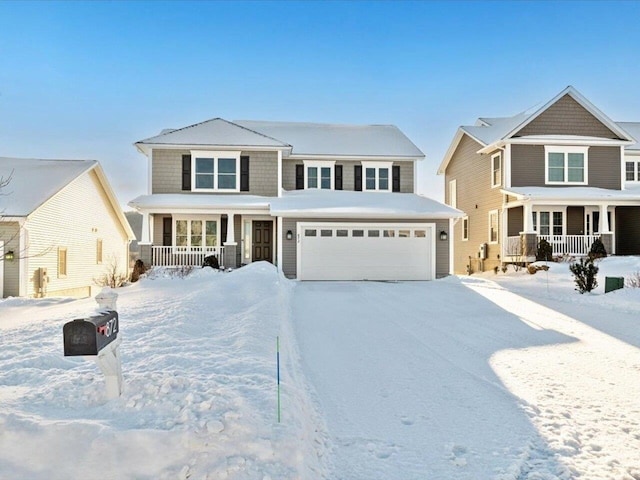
331,257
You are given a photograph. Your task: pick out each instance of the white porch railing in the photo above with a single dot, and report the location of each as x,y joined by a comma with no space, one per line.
570,244
560,244
184,256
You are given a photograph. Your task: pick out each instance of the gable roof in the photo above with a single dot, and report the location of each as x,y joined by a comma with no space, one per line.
634,129
490,132
214,132
333,139
32,182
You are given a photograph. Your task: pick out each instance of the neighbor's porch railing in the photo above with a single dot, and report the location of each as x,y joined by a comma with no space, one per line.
184,256
560,244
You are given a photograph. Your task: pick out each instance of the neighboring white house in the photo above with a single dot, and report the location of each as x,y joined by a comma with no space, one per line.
320,201
61,227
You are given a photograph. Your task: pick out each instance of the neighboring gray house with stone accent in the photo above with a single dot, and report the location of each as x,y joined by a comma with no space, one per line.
564,172
322,202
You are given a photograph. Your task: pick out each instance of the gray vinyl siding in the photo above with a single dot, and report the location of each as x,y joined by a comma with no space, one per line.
627,230
566,117
515,221
348,178
167,172
10,235
289,247
528,163
575,220
476,198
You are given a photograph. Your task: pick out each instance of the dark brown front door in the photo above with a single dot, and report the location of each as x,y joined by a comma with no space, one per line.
262,241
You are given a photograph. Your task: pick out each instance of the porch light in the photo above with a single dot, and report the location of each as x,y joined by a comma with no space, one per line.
9,255
289,234
443,235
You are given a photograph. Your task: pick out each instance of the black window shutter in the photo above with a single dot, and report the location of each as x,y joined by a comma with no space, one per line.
186,172
338,177
299,177
357,174
395,183
167,236
244,174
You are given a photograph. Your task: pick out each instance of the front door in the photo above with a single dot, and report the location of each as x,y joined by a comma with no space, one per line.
262,241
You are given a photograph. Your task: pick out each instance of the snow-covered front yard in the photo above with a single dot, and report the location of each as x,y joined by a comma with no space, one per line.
510,376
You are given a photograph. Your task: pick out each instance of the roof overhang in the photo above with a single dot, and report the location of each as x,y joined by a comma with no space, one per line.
452,148
308,213
572,196
305,156
145,148
114,202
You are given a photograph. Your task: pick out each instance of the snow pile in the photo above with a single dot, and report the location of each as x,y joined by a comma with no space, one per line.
199,364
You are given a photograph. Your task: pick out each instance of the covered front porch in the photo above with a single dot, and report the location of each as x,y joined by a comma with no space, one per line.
571,227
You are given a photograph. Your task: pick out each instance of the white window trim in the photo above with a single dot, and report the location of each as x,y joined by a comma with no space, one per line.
566,150
497,214
499,157
319,164
636,175
216,155
377,166
465,219
535,225
189,218
453,193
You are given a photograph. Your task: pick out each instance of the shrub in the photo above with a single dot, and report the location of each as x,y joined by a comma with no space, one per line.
211,261
139,268
545,252
584,274
633,280
112,277
597,249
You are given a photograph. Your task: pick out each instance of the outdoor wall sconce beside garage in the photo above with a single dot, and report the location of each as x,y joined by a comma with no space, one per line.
443,235
289,234
9,255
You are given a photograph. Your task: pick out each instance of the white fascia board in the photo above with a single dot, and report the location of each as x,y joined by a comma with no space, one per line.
565,141
220,209
591,108
452,148
364,216
113,200
384,158
244,148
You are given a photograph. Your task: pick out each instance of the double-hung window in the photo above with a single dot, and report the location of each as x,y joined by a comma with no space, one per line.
632,170
192,232
319,174
548,223
494,228
566,165
376,176
215,171
496,170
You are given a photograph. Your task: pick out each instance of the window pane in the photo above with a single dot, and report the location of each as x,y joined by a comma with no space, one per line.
421,233
326,233
373,233
556,160
181,233
575,175
312,177
226,181
576,167
196,233
342,233
204,165
325,178
545,227
310,233
211,234
576,160
370,178
357,233
383,179
630,171
556,174
389,233
557,223
226,165
204,180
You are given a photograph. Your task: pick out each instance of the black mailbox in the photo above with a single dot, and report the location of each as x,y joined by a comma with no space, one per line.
87,336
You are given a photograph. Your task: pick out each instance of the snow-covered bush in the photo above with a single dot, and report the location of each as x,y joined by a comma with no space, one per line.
597,249
633,280
584,274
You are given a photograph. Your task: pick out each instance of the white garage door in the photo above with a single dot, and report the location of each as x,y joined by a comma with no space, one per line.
359,251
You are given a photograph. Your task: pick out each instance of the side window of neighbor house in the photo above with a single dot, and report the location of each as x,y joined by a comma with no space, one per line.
99,251
496,170
62,262
453,194
465,228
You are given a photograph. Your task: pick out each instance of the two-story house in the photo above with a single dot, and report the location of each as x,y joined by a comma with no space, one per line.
564,172
322,202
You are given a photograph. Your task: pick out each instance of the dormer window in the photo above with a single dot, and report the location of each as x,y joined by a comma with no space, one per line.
566,165
376,176
319,175
215,171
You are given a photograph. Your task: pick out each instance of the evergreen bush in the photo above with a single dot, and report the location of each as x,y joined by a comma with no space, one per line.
584,274
597,249
545,252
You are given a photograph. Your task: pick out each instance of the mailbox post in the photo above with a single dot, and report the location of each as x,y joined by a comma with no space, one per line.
97,337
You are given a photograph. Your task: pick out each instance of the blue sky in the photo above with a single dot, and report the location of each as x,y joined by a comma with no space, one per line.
86,80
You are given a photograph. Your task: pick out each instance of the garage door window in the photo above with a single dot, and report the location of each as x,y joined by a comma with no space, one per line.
420,233
389,233
358,233
374,233
326,233
309,233
342,233
404,233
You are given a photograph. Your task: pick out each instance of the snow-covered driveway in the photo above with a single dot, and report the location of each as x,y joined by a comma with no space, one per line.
419,381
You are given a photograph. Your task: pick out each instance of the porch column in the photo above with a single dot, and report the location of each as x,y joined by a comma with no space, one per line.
528,236
527,219
604,219
145,240
230,245
145,228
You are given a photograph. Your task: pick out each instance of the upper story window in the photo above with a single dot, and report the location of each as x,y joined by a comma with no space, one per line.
566,165
376,176
319,175
632,170
215,171
496,170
